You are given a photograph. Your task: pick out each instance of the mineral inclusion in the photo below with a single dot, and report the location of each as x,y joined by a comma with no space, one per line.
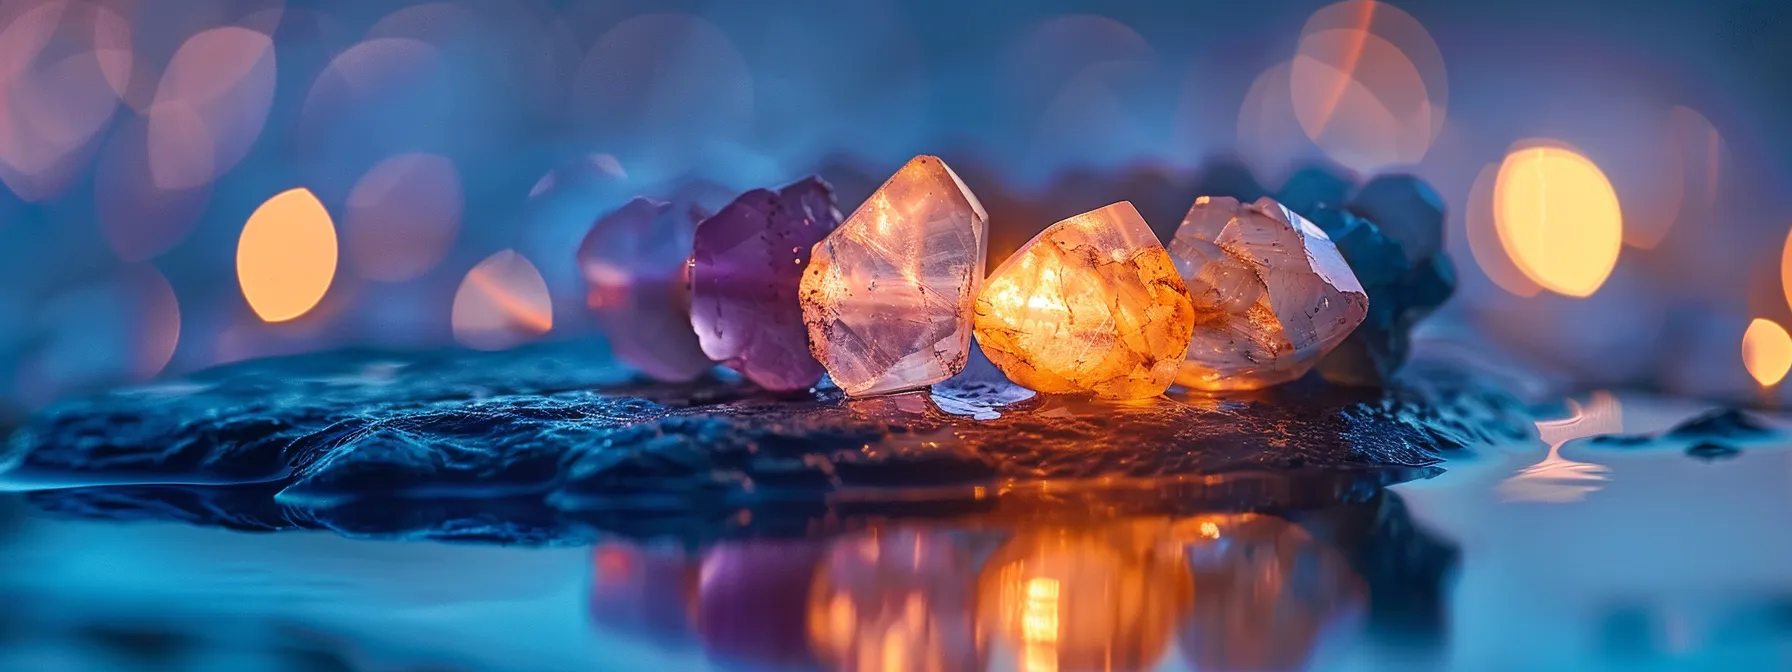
746,266
1272,295
887,297
633,262
1091,304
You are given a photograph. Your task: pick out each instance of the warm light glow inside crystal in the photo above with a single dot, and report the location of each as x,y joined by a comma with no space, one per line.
887,296
1272,295
1091,304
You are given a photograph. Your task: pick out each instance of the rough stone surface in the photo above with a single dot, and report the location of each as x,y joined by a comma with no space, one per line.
1315,186
1712,452
1719,426
1272,295
633,262
1407,210
888,296
1092,304
746,266
508,445
1400,295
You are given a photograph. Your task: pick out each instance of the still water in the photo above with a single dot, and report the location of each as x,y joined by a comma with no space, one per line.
1557,554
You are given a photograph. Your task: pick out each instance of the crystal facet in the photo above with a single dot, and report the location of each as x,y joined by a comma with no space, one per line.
1272,295
633,261
746,266
1091,304
888,296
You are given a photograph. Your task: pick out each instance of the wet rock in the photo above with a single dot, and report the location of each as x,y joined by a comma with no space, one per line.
560,427
1721,424
1712,452
1408,210
1622,440
1314,186
1401,293
1713,427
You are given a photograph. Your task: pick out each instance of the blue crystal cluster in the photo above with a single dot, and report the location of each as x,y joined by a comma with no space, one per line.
1391,234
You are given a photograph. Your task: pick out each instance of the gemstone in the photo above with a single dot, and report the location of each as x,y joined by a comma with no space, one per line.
1314,186
633,261
746,267
1091,304
1407,210
1272,295
1400,294
888,296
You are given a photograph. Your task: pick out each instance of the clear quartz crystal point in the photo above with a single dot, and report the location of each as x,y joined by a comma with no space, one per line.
887,297
1272,295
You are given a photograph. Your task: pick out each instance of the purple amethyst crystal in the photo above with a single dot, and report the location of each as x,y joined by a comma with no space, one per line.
633,262
746,267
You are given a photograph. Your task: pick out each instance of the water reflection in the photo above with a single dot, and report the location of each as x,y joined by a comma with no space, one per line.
1268,595
1040,590
1560,480
644,591
895,601
1083,598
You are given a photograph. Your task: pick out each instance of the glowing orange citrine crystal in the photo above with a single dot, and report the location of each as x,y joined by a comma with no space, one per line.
1091,304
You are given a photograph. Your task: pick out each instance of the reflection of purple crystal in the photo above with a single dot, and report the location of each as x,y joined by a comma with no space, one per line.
746,266
633,261
753,599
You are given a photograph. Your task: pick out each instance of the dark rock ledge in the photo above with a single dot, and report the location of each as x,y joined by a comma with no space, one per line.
562,428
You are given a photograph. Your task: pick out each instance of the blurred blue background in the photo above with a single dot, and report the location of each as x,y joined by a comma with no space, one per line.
459,149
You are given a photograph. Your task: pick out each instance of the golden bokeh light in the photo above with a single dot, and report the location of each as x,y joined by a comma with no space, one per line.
1484,237
1786,268
1558,218
502,303
286,256
1767,352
